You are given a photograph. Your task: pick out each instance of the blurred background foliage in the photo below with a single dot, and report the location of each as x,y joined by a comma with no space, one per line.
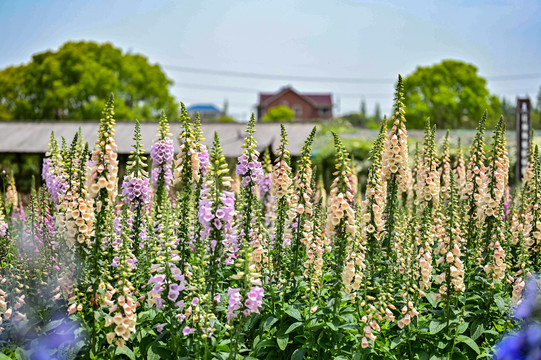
72,83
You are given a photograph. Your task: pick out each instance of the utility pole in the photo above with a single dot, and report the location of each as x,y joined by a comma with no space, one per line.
523,128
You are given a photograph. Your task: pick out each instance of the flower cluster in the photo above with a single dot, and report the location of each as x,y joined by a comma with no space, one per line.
395,157
12,197
495,182
249,168
76,215
162,153
121,315
220,220
137,192
103,166
187,164
54,181
427,185
252,304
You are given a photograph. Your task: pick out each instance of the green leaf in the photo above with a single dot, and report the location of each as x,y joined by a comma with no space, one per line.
161,351
53,325
293,326
331,326
269,322
462,327
396,341
436,326
491,332
476,329
151,355
500,303
298,354
4,357
20,354
295,313
264,343
431,300
282,341
126,351
468,341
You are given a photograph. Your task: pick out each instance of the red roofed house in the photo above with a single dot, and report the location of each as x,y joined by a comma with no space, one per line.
307,107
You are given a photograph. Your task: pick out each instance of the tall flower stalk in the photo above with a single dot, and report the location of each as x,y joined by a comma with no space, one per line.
395,169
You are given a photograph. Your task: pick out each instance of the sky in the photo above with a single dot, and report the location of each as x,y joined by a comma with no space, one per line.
289,40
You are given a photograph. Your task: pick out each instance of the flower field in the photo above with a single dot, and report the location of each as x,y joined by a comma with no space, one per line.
189,259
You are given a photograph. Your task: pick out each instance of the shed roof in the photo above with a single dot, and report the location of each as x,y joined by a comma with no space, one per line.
33,137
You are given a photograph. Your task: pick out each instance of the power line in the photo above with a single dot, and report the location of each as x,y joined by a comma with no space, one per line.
194,100
359,95
277,77
323,78
247,90
514,77
216,87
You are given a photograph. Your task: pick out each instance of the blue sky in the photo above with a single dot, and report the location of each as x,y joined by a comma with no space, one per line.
315,38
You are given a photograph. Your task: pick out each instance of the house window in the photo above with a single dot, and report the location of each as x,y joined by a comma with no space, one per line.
324,111
298,111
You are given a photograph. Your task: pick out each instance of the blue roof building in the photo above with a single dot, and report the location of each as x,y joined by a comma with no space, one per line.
203,108
207,112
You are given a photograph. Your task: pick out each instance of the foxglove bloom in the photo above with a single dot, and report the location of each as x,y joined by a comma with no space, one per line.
234,303
137,192
54,181
162,153
254,300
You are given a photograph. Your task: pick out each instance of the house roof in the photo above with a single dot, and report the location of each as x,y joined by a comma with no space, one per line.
203,108
323,99
33,137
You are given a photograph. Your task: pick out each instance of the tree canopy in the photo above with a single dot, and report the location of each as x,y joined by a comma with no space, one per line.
279,114
451,94
73,83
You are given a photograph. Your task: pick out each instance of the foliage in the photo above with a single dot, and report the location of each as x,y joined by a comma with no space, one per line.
186,261
362,119
225,119
451,94
70,84
279,114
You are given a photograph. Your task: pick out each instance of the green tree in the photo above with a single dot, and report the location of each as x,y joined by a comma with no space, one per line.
539,100
451,94
73,83
279,114
363,107
225,119
377,113
508,112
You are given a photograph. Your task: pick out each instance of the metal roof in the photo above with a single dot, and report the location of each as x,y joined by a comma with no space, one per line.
203,108
33,137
